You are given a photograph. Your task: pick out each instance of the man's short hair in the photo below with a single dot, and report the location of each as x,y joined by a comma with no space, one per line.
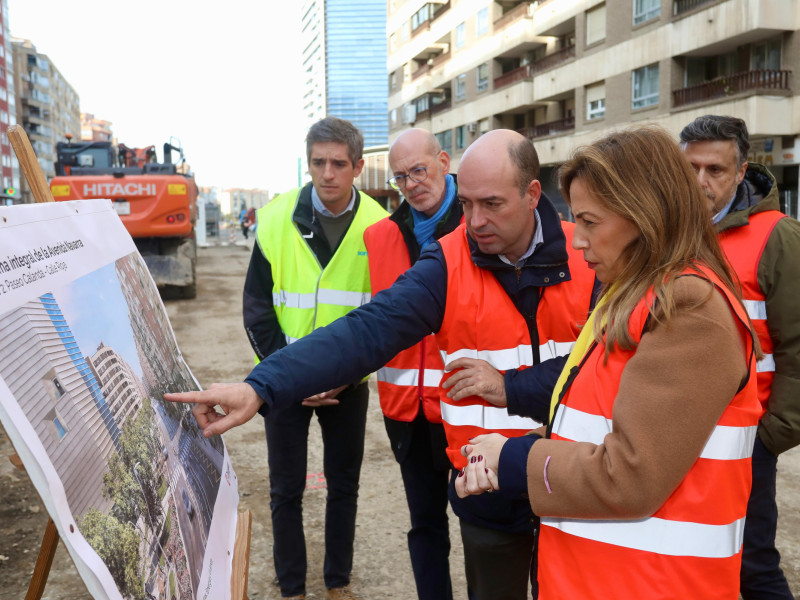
715,128
525,158
333,129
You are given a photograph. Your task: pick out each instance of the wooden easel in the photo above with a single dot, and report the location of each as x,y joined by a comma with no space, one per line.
241,546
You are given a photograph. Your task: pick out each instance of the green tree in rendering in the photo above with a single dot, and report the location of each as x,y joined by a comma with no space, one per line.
118,545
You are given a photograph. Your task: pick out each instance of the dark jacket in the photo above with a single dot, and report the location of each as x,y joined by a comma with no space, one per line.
779,279
397,318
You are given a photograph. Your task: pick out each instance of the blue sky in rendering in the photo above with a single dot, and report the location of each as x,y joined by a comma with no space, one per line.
96,312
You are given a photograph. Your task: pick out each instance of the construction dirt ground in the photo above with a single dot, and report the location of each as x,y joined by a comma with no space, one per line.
210,335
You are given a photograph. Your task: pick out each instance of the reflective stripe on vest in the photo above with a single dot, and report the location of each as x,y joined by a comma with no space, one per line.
304,295
725,443
481,322
401,390
410,377
485,417
660,536
695,536
744,247
513,358
323,296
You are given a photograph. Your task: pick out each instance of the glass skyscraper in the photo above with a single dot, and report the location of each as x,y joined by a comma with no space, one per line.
344,57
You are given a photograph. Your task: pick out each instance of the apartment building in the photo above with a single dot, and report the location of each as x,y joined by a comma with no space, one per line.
122,389
94,129
9,167
61,397
564,72
47,107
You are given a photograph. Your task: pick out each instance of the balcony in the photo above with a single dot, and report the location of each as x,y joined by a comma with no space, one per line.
551,128
513,76
720,87
554,59
523,10
441,106
680,7
443,57
421,71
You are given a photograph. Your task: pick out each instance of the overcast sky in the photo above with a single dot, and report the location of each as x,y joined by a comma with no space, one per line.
223,77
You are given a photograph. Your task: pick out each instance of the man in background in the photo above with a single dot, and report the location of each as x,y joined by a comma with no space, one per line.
763,246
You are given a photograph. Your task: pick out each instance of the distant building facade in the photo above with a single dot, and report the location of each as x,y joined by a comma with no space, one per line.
48,106
95,130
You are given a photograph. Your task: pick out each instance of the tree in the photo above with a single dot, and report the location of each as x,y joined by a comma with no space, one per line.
133,477
118,545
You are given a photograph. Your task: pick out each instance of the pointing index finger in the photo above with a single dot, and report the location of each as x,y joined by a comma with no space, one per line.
197,397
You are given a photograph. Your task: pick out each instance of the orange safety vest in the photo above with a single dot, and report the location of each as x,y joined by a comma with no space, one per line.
481,321
743,247
691,546
412,377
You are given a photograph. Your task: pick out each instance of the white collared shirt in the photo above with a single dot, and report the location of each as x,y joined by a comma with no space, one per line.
538,239
320,207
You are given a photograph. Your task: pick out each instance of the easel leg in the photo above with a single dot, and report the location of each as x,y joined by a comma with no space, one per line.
44,562
241,556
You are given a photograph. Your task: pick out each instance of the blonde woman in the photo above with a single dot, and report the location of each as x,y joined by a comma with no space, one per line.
642,477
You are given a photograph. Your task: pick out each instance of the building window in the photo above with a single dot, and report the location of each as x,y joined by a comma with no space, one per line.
405,32
595,101
595,24
766,56
393,81
461,35
59,388
392,42
461,137
461,87
422,16
645,86
644,10
482,25
483,77
445,140
60,429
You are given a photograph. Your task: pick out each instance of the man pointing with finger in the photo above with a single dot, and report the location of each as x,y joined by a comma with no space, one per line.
502,293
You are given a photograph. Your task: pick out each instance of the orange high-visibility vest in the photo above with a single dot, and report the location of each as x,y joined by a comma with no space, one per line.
743,247
481,321
691,546
412,377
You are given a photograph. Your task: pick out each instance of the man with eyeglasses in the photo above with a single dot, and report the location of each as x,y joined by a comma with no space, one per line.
502,293
408,385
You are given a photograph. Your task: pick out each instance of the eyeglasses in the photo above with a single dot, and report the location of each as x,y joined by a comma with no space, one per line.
417,175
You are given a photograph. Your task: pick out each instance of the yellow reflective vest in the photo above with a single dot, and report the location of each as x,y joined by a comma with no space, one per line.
305,295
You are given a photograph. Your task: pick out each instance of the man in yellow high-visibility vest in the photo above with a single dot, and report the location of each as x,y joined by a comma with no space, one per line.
308,268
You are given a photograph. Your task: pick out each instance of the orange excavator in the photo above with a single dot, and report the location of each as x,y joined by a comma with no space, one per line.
156,201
